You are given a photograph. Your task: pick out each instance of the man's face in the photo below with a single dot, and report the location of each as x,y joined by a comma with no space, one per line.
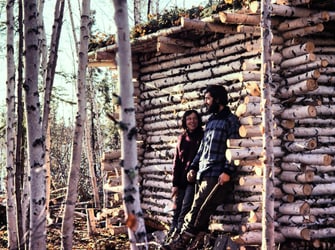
211,105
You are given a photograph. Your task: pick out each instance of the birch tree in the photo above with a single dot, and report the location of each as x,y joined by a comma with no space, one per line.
34,129
10,131
89,142
73,178
133,212
137,12
22,200
267,118
48,85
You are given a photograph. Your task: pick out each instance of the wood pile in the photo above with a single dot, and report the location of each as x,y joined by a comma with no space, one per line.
112,213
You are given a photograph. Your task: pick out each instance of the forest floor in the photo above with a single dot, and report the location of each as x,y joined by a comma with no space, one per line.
102,240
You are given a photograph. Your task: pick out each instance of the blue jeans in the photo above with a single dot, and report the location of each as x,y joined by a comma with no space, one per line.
184,199
197,219
186,205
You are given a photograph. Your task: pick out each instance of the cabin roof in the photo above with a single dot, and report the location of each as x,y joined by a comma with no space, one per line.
193,33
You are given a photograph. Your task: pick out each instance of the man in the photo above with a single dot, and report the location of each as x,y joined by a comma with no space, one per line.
210,169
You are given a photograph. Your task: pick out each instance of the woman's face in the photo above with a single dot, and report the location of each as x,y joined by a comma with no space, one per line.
192,122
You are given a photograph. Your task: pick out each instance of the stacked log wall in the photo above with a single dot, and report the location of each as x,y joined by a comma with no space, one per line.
307,168
302,89
303,110
172,84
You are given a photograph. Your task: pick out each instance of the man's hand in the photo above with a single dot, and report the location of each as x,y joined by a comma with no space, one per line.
223,178
191,176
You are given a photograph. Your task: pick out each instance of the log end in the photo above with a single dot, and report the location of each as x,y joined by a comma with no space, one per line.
305,208
311,85
305,234
309,176
241,109
289,124
243,131
327,159
310,47
324,63
307,190
312,111
258,170
290,198
229,155
289,137
312,144
254,6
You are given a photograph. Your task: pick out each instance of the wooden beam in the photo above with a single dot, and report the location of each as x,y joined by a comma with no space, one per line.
209,27
236,18
175,41
94,64
170,48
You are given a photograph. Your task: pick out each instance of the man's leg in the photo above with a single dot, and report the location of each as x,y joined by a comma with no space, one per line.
205,188
189,231
218,196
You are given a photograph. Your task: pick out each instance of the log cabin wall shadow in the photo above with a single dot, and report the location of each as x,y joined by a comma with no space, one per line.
172,66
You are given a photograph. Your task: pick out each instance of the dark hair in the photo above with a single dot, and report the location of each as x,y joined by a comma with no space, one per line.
186,114
219,93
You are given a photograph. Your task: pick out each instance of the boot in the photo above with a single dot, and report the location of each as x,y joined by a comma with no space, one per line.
171,236
180,242
198,241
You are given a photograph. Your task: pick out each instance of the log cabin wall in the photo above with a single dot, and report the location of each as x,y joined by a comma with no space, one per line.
170,84
171,78
303,89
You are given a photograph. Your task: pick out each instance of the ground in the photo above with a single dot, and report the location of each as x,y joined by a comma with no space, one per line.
101,241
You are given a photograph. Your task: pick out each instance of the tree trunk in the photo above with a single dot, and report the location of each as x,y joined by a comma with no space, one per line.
48,83
137,12
22,214
268,227
34,128
73,26
133,212
73,178
89,144
12,229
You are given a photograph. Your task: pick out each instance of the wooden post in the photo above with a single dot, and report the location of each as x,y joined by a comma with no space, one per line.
131,195
268,232
91,225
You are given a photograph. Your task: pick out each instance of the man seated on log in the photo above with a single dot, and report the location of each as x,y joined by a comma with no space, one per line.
210,169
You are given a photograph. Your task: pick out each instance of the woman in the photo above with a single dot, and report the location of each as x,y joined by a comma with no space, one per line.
186,148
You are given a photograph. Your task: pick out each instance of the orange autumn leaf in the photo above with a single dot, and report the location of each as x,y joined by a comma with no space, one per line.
131,222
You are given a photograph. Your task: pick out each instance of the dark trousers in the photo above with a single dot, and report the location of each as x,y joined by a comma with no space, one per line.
205,203
184,199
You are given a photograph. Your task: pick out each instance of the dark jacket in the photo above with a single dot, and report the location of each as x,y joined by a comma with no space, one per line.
186,148
210,160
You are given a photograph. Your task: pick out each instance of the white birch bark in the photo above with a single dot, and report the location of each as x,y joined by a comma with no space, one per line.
268,235
89,146
43,48
12,230
73,178
133,211
21,171
48,85
137,12
73,26
34,129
